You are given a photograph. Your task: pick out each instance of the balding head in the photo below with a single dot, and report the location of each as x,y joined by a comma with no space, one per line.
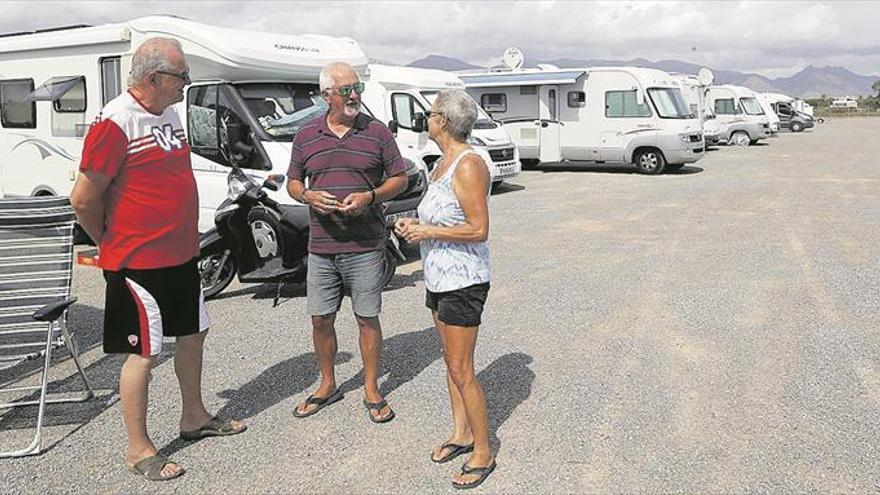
154,54
333,72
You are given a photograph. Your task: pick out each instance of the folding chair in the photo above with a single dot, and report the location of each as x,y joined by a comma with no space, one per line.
36,264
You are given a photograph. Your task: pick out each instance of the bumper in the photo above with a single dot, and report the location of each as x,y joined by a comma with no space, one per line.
677,152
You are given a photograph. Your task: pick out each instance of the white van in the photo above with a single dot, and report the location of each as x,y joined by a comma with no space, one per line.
738,111
251,91
609,115
693,89
399,95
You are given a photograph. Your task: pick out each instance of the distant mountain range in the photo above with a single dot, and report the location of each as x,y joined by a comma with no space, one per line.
810,82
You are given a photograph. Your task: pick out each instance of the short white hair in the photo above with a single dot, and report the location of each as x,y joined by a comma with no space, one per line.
460,111
326,79
151,56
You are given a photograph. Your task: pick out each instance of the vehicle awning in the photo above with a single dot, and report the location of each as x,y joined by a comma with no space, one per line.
54,88
521,79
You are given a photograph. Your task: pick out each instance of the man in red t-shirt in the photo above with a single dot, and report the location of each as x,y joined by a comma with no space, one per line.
136,197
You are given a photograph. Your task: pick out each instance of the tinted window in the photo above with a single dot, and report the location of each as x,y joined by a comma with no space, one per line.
725,106
624,104
494,102
111,82
74,99
15,111
577,99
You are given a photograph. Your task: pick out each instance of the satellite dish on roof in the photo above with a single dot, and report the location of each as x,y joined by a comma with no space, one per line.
513,58
706,77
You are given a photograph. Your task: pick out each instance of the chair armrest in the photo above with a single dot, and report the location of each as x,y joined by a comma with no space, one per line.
52,312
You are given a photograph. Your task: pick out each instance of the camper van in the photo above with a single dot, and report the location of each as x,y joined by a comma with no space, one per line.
772,118
399,95
786,108
693,89
251,92
614,115
739,113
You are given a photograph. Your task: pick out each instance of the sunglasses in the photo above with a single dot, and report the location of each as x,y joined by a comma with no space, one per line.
183,76
348,88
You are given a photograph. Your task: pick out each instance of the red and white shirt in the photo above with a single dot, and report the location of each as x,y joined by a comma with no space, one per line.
151,205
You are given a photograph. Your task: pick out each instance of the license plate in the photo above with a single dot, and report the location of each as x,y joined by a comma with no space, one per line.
390,219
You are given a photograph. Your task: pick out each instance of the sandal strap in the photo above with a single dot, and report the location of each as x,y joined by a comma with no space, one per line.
465,469
376,406
319,401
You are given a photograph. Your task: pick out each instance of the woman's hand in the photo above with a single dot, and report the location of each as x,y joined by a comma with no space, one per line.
402,223
414,233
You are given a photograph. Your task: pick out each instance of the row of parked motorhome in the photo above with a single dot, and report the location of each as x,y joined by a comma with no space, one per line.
259,88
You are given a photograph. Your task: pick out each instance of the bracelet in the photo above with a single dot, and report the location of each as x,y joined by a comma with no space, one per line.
372,196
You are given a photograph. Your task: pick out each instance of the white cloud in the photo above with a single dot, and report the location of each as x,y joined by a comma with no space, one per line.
773,37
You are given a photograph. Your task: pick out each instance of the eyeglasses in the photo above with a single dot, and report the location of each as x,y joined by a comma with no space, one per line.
348,88
432,113
183,76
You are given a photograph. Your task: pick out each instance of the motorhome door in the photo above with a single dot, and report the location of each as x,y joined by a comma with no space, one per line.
548,134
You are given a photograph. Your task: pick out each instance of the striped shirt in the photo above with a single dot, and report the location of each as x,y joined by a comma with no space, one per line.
358,161
151,204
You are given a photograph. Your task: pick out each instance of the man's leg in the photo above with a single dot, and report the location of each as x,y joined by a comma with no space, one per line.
324,339
134,382
370,340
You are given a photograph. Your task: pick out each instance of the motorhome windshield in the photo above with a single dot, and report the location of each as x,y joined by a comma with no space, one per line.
282,108
751,106
670,103
483,119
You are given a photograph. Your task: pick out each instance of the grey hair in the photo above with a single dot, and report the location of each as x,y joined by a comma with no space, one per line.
460,111
151,56
326,80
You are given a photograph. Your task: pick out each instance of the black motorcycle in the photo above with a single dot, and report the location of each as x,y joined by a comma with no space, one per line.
264,241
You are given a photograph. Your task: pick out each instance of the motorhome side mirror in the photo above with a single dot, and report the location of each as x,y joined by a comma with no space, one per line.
392,126
419,122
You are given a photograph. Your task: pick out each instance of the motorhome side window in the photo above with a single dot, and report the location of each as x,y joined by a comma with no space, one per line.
577,99
71,94
494,102
725,106
625,104
111,80
17,110
403,107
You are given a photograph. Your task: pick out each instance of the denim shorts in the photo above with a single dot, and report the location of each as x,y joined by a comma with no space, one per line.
330,276
461,307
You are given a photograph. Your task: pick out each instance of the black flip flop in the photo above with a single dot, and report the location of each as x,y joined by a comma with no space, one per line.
321,402
484,473
377,406
456,451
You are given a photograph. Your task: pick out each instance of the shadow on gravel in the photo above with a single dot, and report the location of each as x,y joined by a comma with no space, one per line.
571,167
404,356
506,187
686,170
507,383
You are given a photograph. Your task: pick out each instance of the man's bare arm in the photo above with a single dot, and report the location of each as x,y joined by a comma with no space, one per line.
87,199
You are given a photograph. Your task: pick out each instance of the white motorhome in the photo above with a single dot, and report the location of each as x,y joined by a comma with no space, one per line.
607,115
738,111
693,89
770,112
399,95
251,92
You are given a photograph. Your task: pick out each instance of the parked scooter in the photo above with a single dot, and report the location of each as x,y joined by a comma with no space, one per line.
241,244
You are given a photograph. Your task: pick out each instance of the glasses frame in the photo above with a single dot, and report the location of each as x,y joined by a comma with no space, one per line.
431,113
183,76
345,90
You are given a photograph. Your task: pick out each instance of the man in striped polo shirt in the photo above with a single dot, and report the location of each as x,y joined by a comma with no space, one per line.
136,197
352,165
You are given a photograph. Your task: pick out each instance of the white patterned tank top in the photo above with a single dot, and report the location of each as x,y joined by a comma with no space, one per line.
450,265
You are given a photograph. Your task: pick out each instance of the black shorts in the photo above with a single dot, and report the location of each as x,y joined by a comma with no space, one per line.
461,307
142,306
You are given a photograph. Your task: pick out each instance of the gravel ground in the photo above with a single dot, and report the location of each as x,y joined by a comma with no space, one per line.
708,331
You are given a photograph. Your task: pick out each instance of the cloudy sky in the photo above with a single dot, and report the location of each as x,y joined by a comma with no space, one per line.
774,38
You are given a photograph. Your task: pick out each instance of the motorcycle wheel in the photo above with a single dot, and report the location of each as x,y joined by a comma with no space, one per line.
390,267
216,273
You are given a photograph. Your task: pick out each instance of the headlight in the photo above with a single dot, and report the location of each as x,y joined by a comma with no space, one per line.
237,184
475,141
685,138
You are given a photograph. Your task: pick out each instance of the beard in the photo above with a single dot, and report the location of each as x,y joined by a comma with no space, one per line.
351,109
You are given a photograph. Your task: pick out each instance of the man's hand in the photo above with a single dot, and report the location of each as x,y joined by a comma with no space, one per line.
321,201
354,203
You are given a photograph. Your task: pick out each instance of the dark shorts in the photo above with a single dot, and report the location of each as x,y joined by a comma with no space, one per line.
461,307
142,306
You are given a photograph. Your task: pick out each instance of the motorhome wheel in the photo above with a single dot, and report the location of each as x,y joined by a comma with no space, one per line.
266,229
216,272
740,138
797,127
650,161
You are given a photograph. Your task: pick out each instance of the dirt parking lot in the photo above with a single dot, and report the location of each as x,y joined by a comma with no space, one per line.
709,331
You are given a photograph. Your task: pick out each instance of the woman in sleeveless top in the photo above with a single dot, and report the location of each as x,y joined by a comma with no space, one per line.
452,229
